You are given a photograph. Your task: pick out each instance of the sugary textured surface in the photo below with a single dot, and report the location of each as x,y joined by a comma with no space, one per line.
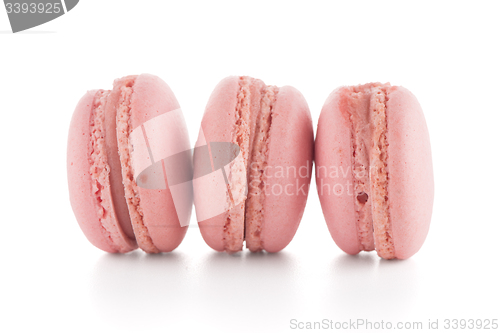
245,111
373,140
111,209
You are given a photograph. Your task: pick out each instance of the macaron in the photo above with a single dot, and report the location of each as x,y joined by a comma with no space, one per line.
118,143
257,189
374,170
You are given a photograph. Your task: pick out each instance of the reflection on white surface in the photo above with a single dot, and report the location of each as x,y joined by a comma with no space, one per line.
365,285
259,287
221,290
136,286
217,289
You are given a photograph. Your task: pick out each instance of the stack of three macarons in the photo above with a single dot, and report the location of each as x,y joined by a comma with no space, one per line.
133,178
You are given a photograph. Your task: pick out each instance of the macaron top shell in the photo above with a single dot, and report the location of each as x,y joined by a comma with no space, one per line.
411,185
290,167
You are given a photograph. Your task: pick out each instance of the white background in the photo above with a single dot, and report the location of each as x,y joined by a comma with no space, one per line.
446,53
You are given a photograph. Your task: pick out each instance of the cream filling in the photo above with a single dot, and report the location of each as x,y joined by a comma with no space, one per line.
233,232
99,169
379,176
367,111
249,173
123,129
358,106
254,209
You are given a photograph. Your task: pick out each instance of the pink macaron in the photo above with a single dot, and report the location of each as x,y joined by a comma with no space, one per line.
118,143
252,182
374,170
